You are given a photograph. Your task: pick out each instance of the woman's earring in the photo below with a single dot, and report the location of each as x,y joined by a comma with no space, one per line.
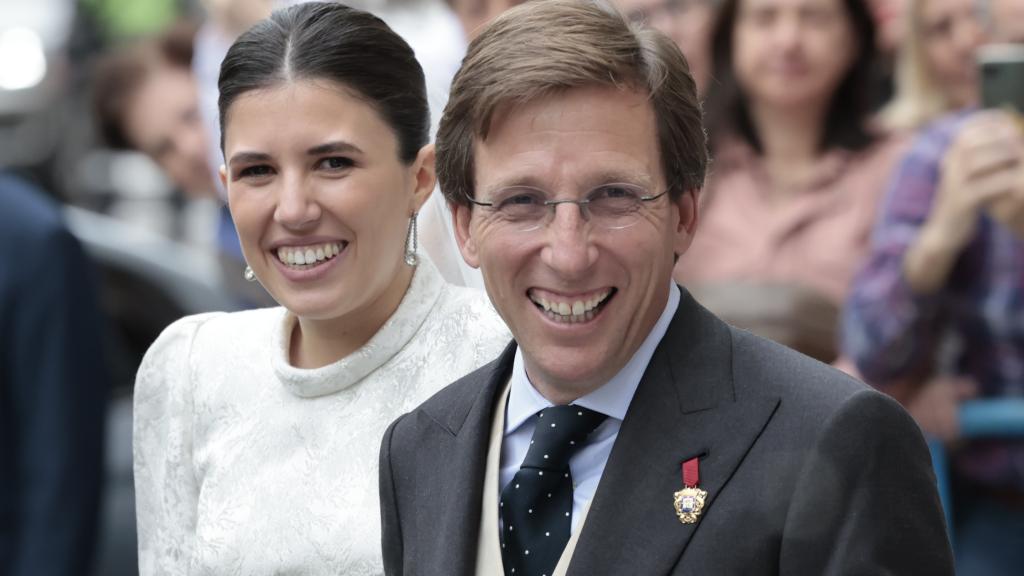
249,275
410,243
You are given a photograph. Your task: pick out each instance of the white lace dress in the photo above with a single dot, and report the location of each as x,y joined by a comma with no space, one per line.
247,465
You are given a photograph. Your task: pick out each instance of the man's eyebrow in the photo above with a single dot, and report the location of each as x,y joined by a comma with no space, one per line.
621,177
335,147
588,183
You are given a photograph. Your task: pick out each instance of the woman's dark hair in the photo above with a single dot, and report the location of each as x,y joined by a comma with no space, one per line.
330,41
846,123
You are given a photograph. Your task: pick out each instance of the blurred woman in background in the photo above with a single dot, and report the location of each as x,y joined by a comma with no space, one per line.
146,98
788,208
936,71
257,433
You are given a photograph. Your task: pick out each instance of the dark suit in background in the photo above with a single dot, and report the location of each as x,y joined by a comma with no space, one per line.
53,391
808,471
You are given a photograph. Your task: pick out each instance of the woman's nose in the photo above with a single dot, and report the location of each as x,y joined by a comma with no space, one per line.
297,207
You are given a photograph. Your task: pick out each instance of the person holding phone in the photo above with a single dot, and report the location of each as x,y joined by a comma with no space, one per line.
947,257
935,69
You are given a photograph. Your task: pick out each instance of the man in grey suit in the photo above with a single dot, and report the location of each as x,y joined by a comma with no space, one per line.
626,430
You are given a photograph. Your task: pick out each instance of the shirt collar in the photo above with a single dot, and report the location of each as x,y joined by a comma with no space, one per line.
611,399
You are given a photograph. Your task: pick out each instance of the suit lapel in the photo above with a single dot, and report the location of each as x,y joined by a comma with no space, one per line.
452,460
684,407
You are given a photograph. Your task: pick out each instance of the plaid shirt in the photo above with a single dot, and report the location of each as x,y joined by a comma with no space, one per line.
891,333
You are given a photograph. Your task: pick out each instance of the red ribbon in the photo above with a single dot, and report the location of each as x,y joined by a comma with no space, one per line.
691,473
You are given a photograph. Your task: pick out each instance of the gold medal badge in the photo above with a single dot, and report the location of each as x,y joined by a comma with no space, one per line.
689,502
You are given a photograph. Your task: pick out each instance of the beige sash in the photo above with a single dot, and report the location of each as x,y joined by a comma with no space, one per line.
488,554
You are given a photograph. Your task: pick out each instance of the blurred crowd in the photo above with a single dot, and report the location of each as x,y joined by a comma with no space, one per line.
865,206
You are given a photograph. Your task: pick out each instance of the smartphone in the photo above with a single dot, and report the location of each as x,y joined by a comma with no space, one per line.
1001,70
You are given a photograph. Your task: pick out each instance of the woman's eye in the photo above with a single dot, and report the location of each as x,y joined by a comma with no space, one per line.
336,163
257,171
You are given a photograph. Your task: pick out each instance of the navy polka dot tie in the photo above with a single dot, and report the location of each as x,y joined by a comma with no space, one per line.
536,506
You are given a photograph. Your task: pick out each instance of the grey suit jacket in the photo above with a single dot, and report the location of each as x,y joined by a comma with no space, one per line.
808,471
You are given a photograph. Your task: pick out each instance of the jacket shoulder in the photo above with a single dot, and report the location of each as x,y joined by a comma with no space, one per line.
763,367
449,406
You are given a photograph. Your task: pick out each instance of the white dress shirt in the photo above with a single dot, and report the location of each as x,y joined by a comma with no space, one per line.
611,399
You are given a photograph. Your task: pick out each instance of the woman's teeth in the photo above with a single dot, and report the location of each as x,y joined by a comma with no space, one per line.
307,256
571,312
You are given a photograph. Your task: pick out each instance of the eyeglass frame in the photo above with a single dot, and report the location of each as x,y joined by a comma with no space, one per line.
581,203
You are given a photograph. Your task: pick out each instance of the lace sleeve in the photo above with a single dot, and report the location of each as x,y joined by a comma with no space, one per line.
166,490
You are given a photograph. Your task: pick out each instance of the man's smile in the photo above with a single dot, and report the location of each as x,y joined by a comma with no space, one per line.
571,309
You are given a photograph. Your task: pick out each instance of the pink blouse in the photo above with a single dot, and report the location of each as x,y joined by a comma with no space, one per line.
816,238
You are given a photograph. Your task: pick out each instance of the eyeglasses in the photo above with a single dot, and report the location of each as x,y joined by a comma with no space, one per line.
609,206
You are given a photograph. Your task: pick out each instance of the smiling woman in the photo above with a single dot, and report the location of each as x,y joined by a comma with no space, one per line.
256,433
322,202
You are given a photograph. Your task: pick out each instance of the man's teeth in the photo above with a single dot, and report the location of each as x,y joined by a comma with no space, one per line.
307,255
578,311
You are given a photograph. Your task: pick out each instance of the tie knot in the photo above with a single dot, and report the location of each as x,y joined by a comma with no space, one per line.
560,431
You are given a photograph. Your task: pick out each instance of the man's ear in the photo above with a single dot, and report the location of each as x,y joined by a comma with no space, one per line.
688,205
461,216
424,175
223,173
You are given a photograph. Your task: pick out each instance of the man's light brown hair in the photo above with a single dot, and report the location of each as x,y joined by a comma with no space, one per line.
549,46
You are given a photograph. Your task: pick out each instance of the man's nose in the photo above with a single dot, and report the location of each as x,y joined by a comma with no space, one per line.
569,250
297,208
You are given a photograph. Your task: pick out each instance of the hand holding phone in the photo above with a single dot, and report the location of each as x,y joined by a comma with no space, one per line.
983,171
1001,70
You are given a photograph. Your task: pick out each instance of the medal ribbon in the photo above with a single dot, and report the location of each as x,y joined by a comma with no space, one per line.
691,473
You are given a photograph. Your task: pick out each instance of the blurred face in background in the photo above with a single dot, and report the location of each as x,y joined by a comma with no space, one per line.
162,120
951,32
792,53
686,22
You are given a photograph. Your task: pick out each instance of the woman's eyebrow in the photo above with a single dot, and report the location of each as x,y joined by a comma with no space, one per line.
338,146
248,158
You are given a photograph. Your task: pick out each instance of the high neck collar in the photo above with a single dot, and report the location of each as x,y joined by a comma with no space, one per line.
424,290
